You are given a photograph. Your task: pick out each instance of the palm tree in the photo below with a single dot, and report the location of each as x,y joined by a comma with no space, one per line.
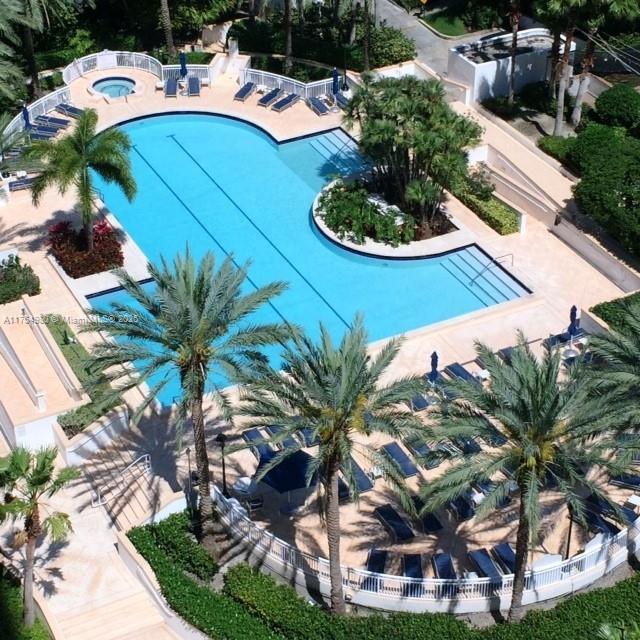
288,45
333,394
10,141
71,160
165,18
619,631
194,325
555,430
10,19
514,19
29,479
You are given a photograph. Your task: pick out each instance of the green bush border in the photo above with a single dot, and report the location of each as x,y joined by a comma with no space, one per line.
497,214
11,612
614,312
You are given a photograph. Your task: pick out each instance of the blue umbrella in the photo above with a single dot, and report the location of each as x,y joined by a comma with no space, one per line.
573,321
433,374
335,87
25,117
183,64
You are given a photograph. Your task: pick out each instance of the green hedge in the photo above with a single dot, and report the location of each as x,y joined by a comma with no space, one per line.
16,280
11,612
497,214
212,613
558,147
614,312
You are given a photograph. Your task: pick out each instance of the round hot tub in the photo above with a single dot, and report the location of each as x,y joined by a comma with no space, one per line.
115,87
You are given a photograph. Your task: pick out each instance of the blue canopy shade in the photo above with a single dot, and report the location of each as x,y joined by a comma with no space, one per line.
25,117
183,64
433,374
335,87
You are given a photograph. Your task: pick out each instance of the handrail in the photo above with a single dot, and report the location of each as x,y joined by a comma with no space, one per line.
494,262
100,498
6,426
275,80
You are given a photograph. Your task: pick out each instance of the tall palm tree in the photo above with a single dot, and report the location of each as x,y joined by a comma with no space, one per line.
71,160
555,431
10,141
10,20
514,19
195,324
333,393
165,18
619,631
29,480
288,35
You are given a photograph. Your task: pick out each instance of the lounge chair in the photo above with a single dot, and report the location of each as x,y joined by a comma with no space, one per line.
493,437
21,184
419,403
484,564
286,102
412,568
394,451
505,557
422,452
43,128
627,480
505,353
288,443
468,446
598,524
362,480
394,522
171,88
563,338
58,123
37,135
261,450
341,100
429,522
318,107
270,97
193,86
245,91
310,440
462,508
443,566
344,494
486,487
376,561
456,371
69,110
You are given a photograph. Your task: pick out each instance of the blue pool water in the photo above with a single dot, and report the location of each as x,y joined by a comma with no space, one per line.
225,186
115,87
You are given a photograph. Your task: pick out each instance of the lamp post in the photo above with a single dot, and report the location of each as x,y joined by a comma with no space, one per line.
221,439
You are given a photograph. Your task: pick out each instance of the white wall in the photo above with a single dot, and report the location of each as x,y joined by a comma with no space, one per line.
36,434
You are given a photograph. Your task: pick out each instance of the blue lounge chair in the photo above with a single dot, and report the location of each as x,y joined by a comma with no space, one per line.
627,480
344,495
505,353
69,110
270,97
362,480
597,523
602,507
171,88
36,135
422,452
286,102
288,443
44,128
457,371
193,86
419,403
245,91
318,107
429,522
463,508
21,184
341,100
493,437
261,450
412,568
376,561
443,566
506,558
468,446
486,487
563,338
407,468
310,440
56,123
484,564
394,522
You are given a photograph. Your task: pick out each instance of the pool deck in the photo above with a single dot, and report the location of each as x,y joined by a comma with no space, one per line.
558,277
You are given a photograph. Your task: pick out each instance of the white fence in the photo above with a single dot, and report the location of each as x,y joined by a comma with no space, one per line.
397,593
111,60
273,80
198,70
38,108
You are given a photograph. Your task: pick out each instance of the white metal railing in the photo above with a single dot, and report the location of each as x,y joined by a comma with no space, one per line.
63,375
111,60
273,80
39,108
381,588
198,70
18,370
104,496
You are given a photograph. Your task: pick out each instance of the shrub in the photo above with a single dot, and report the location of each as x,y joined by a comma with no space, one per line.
347,210
390,46
68,247
595,145
16,280
501,107
558,147
214,614
614,312
479,14
11,625
619,106
535,96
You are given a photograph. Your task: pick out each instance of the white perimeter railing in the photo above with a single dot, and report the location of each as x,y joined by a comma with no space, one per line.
391,592
39,108
111,60
273,80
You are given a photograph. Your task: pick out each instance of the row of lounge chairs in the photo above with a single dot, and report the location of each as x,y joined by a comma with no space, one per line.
494,565
172,84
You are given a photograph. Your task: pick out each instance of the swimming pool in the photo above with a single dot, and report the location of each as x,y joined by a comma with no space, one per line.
115,87
223,185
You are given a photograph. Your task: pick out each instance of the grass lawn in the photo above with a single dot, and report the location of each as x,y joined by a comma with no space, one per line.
444,17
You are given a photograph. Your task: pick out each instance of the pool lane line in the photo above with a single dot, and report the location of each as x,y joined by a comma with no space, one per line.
259,230
204,228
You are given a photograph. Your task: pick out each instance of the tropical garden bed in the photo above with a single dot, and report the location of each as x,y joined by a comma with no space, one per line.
614,312
11,612
16,280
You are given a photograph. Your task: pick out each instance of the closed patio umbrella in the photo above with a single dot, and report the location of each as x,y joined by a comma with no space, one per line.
335,87
433,374
25,117
183,65
573,331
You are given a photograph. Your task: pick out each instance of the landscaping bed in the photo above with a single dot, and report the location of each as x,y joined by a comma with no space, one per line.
16,280
455,18
613,312
11,612
68,246
299,71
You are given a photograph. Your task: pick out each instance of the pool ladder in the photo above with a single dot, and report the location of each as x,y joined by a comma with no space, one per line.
493,262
